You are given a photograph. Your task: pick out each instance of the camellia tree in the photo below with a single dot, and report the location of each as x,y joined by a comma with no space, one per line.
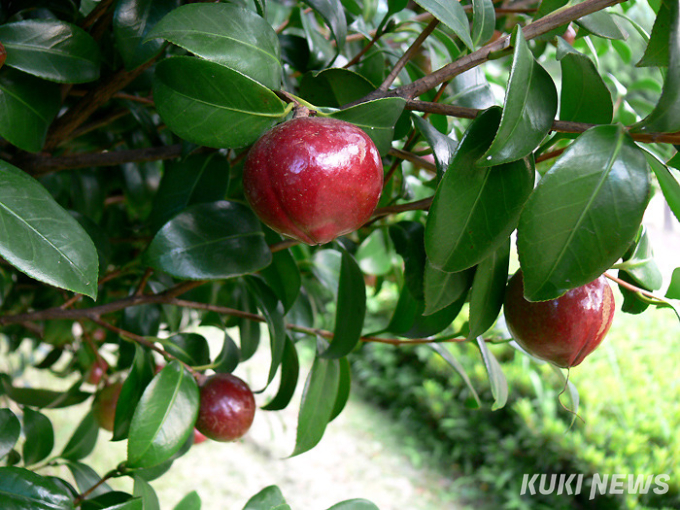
135,203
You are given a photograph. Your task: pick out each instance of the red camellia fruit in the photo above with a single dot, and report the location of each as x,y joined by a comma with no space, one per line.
313,178
562,331
227,408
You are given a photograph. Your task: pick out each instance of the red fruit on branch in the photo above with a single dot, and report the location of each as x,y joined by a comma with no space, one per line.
313,179
97,371
227,408
562,331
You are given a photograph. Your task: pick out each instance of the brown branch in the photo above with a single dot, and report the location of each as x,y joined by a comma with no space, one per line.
418,205
413,158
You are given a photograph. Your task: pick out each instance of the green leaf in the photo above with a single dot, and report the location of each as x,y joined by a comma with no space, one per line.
471,89
140,375
40,238
273,312
488,290
443,147
483,21
267,499
52,50
668,182
196,99
442,288
191,501
640,265
529,110
497,380
22,489
164,417
376,117
282,275
354,504
603,24
210,241
10,429
190,348
39,435
334,87
475,208
36,397
318,403
665,117
86,478
351,309
407,237
228,358
83,440
375,254
131,504
584,213
28,105
146,492
228,35
457,366
197,179
290,372
452,15
673,291
333,13
585,97
657,54
344,388
132,21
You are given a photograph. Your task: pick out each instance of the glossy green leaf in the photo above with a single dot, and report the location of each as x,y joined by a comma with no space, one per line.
51,49
196,100
83,440
656,53
282,275
10,429
442,288
483,21
22,489
497,380
37,397
164,417
28,105
86,478
227,34
334,87
197,179
333,13
673,291
132,21
375,254
640,265
144,490
267,499
603,24
585,97
344,388
669,182
272,309
475,208
213,240
407,237
39,435
228,358
290,372
488,290
351,309
190,348
471,89
191,501
249,331
529,110
318,402
452,15
143,320
376,117
140,375
458,367
132,504
443,147
665,117
354,504
40,238
584,213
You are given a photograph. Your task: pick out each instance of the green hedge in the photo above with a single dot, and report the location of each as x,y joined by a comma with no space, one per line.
628,415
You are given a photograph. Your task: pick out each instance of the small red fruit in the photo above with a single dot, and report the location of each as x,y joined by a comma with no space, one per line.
104,405
3,55
97,371
227,408
313,178
198,437
562,331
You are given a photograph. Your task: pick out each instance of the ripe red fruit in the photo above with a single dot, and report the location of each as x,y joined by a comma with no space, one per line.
563,330
313,178
227,408
97,371
104,405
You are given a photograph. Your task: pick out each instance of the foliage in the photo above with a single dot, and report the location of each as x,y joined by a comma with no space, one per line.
125,124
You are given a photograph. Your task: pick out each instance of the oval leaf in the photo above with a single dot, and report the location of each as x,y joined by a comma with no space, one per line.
86,478
483,21
197,100
585,97
452,15
83,440
267,499
290,372
191,501
529,110
52,50
190,348
210,241
138,378
442,288
164,418
39,435
333,13
40,238
227,34
36,397
334,87
22,489
10,428
354,504
584,213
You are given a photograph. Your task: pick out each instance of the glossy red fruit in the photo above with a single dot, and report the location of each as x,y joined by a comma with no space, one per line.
563,330
198,437
313,178
227,408
97,371
104,405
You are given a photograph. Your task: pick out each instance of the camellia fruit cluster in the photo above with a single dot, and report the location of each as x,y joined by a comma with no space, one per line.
562,331
313,178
